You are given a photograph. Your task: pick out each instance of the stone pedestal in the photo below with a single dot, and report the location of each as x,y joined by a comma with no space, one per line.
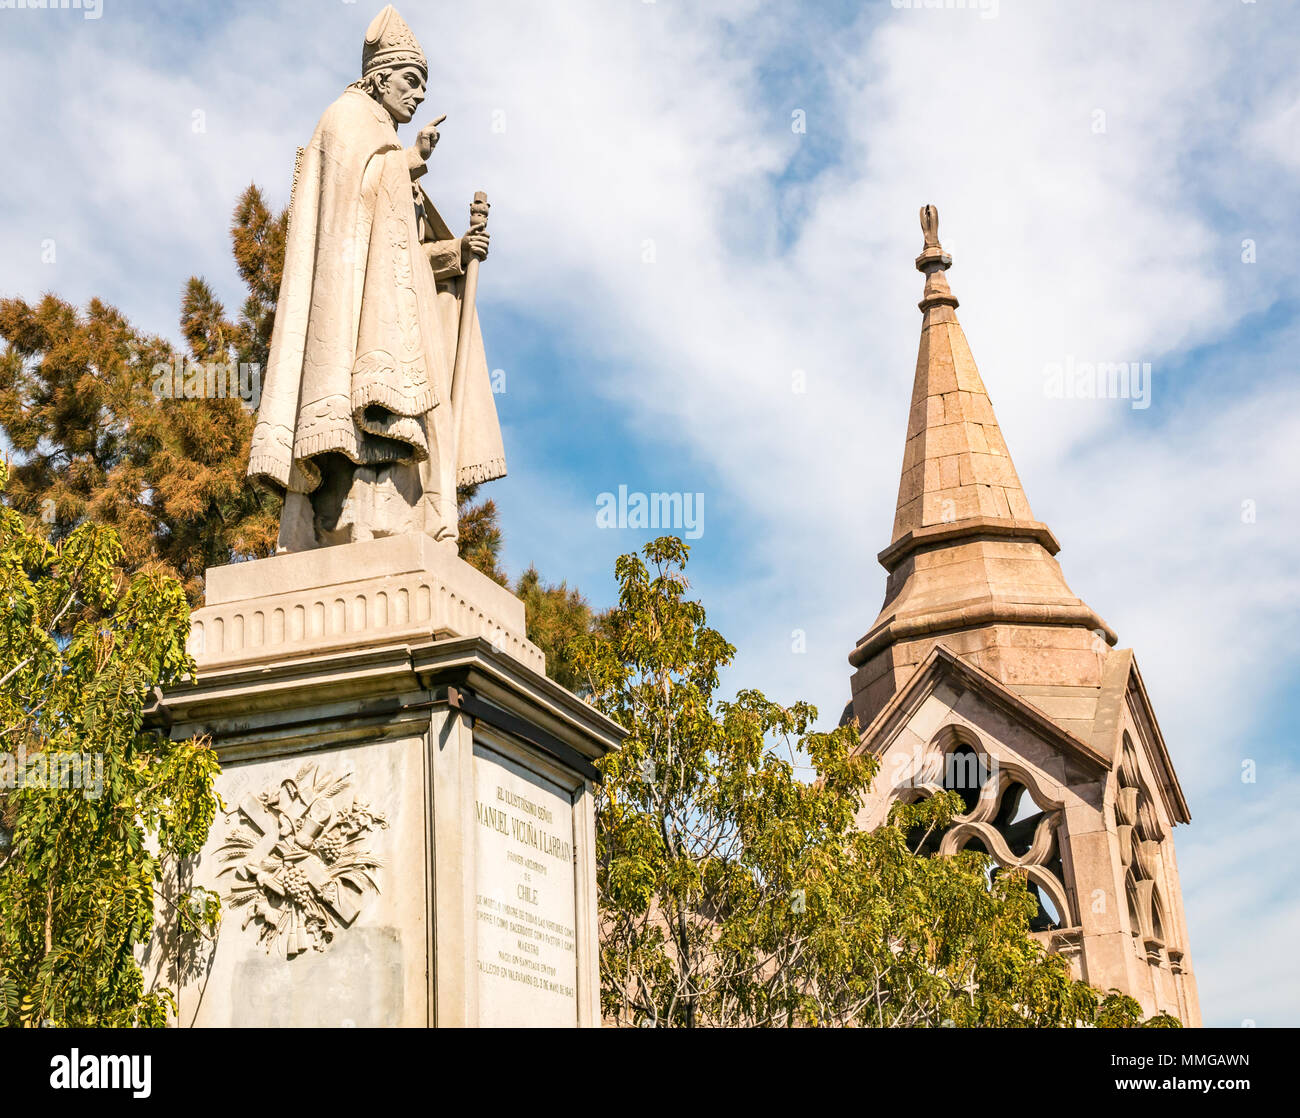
409,832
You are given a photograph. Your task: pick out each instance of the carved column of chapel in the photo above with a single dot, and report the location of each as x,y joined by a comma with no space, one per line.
985,673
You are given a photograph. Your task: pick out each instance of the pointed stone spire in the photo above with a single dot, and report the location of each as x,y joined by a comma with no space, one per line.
981,644
955,466
968,564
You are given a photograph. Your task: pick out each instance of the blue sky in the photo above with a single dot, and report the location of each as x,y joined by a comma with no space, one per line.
669,252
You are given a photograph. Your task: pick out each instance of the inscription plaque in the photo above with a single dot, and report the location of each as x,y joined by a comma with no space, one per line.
525,901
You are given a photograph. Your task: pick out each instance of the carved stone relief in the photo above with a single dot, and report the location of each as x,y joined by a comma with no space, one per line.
300,860
1140,840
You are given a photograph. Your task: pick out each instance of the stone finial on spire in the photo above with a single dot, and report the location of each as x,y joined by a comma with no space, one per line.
930,225
933,261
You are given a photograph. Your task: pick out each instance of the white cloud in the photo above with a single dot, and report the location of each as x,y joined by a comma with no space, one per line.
1240,892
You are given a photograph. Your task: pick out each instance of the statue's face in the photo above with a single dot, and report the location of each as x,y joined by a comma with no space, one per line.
402,93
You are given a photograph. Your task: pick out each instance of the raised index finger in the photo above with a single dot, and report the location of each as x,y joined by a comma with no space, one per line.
437,122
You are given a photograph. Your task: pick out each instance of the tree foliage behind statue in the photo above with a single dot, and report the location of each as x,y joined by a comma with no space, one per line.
92,805
95,443
732,892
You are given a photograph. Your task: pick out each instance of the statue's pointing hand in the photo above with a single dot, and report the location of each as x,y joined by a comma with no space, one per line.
474,244
427,139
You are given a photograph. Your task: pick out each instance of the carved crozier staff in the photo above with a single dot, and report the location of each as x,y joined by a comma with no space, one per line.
478,216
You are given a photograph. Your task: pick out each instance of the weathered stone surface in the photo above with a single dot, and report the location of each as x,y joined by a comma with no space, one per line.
354,860
352,596
980,643
373,970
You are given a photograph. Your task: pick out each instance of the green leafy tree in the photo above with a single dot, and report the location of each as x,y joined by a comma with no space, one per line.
94,806
733,892
95,442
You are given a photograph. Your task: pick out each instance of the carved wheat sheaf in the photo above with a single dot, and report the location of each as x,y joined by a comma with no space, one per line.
300,860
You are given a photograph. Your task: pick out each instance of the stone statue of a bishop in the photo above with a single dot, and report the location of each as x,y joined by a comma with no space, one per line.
357,426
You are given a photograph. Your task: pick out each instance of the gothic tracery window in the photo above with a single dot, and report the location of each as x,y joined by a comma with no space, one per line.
1006,817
